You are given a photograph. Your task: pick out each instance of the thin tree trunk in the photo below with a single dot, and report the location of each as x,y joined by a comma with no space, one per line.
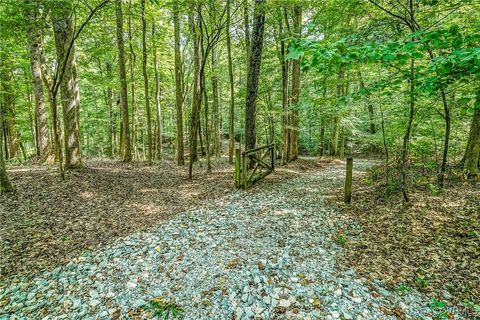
146,88
178,86
371,111
406,136
158,92
446,141
231,121
197,94
127,153
322,138
5,185
334,147
215,106
285,115
11,134
207,131
133,59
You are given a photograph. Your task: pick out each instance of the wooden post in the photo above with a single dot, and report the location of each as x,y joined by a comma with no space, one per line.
348,180
238,161
273,157
244,170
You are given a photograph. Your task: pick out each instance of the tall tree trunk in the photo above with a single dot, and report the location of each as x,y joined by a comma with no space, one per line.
56,136
197,93
285,101
334,147
12,136
127,153
5,185
246,25
253,75
406,136
40,112
158,92
322,138
231,121
207,131
446,140
145,81
215,106
111,117
178,86
70,94
472,152
294,125
371,111
133,59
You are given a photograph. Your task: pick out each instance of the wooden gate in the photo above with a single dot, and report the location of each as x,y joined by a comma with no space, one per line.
262,163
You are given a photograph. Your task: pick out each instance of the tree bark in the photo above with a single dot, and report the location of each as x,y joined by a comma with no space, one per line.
70,94
446,140
178,86
215,106
406,136
146,88
197,93
472,152
231,121
294,125
127,153
40,112
158,93
5,185
253,75
12,136
133,59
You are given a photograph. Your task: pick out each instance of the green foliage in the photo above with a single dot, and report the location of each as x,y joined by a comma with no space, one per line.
165,310
341,239
403,289
439,308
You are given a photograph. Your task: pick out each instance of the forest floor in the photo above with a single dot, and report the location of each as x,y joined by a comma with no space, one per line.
431,244
271,252
47,222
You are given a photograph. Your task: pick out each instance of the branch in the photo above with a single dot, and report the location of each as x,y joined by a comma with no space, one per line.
59,76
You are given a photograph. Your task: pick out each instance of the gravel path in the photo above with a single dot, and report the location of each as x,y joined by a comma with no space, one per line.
266,253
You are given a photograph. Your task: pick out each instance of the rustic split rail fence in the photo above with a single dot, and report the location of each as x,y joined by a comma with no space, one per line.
253,165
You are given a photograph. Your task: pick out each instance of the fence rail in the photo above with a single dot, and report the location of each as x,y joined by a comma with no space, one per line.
253,165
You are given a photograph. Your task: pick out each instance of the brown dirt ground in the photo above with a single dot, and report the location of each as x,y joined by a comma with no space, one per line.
432,244
48,221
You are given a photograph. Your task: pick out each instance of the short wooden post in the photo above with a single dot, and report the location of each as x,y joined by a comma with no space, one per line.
348,180
244,170
238,160
273,157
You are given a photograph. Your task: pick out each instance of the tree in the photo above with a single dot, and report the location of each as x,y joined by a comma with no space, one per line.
127,152
255,60
472,152
65,47
34,33
158,92
178,86
5,185
231,112
146,89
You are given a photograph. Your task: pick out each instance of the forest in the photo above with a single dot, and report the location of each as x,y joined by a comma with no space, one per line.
165,159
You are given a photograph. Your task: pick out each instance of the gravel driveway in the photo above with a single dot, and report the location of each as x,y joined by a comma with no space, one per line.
265,253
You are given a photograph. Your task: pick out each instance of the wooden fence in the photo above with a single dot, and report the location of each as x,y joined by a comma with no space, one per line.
253,165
